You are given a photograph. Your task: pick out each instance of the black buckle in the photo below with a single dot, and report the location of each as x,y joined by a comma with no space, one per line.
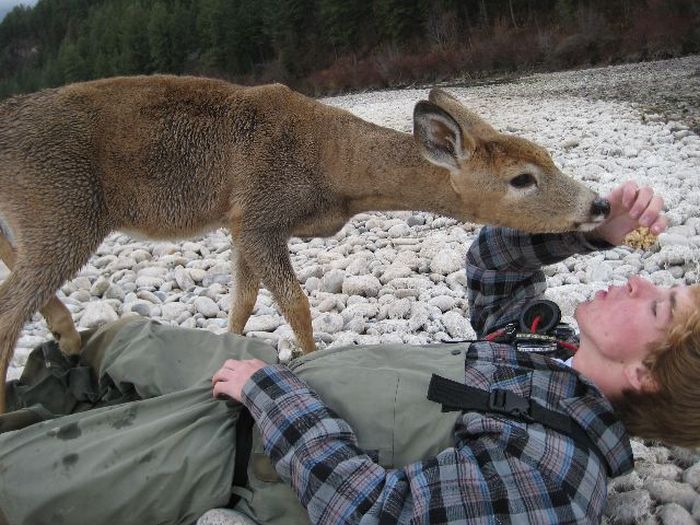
509,403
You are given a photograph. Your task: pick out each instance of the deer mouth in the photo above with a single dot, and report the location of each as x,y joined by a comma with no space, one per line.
589,225
599,211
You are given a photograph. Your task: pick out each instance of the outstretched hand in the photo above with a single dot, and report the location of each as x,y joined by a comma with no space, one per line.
630,208
230,378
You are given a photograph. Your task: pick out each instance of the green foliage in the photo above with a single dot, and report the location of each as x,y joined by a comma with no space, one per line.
366,42
566,11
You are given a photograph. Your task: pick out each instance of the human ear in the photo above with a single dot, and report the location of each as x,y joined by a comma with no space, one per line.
639,377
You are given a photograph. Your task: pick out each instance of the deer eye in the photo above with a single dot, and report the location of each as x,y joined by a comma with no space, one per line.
524,180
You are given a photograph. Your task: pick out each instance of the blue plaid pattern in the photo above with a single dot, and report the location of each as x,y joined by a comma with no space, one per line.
499,470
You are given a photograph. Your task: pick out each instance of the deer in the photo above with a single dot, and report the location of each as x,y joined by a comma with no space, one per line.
169,157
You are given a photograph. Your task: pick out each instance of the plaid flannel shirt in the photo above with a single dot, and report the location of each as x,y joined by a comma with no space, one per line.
499,470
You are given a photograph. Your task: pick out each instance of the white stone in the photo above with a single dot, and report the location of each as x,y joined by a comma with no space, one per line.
673,239
312,283
684,230
263,323
419,316
667,491
148,296
173,310
447,261
99,287
641,452
153,271
329,323
364,285
30,341
81,295
692,476
628,508
114,291
309,270
357,266
142,308
183,279
332,281
164,248
396,271
360,310
399,230
625,483
329,304
82,283
599,272
96,314
663,278
197,274
149,283
206,306
221,273
457,326
695,511
356,325
398,309
443,302
649,469
674,514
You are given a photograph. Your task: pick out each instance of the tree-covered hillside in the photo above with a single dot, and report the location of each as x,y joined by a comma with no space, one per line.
332,45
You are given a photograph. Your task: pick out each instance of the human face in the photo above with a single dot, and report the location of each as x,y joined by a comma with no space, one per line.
618,328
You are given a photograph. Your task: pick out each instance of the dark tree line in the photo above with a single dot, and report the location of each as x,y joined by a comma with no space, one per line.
327,45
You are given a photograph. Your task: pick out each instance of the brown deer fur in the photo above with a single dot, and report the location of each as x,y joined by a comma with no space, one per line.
175,156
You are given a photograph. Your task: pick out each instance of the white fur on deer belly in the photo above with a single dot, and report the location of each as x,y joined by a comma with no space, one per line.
138,235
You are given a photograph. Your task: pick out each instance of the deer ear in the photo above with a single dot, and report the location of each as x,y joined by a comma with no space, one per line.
468,119
436,95
440,137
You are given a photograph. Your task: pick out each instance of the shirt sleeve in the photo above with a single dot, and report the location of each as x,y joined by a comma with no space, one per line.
504,271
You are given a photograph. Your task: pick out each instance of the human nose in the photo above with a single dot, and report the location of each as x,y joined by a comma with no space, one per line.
638,285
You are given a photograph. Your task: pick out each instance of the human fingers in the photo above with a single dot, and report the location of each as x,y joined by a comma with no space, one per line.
223,374
222,390
628,193
641,202
652,211
653,218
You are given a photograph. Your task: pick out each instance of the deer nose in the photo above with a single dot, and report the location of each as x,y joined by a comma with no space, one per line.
600,206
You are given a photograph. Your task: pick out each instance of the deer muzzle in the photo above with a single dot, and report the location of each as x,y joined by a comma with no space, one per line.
600,208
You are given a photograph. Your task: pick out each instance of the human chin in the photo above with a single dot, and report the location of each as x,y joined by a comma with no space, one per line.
581,311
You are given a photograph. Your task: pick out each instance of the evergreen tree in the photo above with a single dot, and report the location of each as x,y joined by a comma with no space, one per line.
159,40
71,65
134,46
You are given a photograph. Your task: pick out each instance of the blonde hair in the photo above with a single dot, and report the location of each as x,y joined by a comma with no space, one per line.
671,413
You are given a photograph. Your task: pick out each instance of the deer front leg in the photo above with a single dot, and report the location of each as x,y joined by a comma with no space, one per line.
244,294
267,252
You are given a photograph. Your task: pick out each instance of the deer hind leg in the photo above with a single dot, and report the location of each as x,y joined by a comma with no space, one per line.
246,284
58,317
269,255
41,266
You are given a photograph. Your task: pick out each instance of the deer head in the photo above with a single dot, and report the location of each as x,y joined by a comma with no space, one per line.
502,179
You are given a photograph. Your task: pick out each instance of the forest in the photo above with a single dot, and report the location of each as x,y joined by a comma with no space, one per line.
333,46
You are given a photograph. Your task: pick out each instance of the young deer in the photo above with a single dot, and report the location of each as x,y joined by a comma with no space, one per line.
175,156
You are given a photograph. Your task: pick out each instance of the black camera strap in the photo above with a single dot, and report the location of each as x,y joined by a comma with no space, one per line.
244,446
457,396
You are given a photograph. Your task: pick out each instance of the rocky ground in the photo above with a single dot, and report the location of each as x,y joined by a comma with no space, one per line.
398,277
